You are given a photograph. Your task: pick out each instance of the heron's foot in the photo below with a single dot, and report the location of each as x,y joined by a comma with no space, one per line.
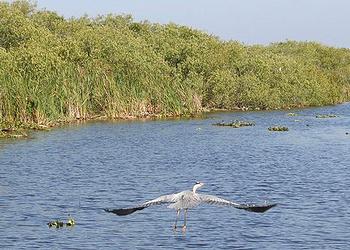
174,227
184,227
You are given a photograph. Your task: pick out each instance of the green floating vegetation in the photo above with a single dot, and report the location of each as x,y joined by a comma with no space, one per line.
70,222
56,224
59,224
326,116
54,70
278,128
235,124
292,114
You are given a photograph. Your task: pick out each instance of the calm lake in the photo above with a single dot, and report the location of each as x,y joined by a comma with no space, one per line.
81,169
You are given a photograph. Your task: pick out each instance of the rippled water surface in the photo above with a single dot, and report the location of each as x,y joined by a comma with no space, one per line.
80,170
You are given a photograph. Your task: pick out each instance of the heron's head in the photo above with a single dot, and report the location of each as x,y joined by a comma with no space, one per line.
197,185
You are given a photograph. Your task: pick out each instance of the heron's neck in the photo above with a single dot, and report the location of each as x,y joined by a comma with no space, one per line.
195,187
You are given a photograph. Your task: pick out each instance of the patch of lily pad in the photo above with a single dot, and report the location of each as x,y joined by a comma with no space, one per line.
235,124
278,128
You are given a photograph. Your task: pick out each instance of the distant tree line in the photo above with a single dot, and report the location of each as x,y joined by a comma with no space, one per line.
56,69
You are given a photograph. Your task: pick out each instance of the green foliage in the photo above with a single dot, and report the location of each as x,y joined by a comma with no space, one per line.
55,69
235,124
278,128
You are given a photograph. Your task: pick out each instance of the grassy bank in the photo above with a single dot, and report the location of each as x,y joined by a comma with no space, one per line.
55,70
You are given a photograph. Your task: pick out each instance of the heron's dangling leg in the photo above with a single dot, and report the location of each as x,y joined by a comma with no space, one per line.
177,217
185,220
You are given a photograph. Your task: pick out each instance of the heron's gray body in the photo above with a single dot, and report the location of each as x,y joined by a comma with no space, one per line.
185,200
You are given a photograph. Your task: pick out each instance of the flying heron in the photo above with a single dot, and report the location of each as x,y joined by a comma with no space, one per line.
189,199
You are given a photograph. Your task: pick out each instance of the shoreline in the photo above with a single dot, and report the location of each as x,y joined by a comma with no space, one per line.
23,130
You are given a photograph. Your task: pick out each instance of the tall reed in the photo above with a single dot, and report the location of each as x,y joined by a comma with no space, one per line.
55,69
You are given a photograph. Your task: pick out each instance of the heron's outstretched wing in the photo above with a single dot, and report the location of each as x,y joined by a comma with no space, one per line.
158,201
214,200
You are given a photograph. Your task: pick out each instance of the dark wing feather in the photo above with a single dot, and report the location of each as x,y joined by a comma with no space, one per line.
124,211
158,201
214,200
256,208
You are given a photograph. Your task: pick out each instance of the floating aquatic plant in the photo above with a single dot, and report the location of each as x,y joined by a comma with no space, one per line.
59,224
70,222
278,128
56,224
326,116
235,124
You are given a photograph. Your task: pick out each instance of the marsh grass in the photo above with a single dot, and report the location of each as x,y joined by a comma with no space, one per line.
55,70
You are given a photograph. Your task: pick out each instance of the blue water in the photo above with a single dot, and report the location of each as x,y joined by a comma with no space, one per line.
81,169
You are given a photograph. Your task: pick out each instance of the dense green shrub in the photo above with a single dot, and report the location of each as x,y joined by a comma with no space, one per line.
54,69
